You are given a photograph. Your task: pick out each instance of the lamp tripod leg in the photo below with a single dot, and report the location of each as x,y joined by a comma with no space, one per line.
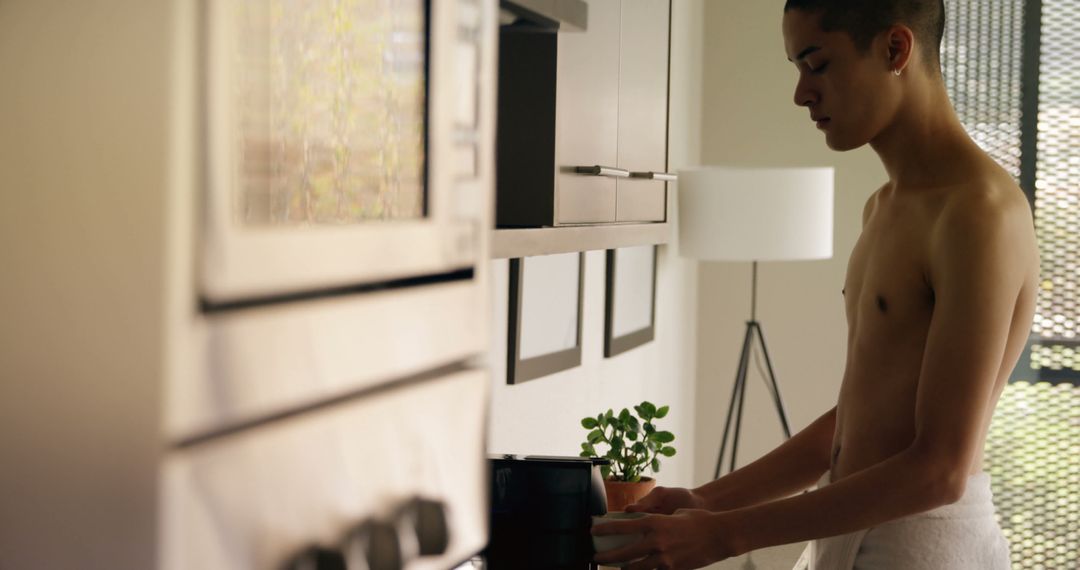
738,413
737,393
772,378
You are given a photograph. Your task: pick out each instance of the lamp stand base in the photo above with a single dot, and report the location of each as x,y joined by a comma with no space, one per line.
753,331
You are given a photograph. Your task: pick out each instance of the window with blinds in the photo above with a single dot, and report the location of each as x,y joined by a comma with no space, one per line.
1012,68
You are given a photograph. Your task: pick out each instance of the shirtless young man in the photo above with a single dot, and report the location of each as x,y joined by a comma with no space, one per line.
940,294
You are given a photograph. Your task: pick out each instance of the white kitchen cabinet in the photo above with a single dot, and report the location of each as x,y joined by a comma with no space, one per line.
587,116
612,112
643,104
609,105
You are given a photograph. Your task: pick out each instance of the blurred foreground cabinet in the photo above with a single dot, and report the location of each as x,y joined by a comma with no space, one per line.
245,292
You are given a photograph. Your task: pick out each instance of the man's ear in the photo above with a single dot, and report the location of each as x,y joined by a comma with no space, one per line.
900,42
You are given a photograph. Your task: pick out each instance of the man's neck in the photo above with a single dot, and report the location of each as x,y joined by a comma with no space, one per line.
925,137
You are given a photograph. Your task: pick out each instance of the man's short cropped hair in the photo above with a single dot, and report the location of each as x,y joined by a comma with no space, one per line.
863,20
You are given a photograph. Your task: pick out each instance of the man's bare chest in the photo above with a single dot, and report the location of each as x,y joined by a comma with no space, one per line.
887,294
889,304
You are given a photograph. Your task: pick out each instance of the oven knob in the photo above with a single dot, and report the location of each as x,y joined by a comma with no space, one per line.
317,558
427,519
374,546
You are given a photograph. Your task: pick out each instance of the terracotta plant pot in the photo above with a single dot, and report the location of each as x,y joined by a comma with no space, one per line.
621,494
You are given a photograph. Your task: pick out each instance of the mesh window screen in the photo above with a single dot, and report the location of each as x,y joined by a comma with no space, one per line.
1033,448
1054,359
981,59
1047,532
1057,171
1034,466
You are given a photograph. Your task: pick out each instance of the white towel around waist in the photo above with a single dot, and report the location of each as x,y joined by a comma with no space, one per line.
960,536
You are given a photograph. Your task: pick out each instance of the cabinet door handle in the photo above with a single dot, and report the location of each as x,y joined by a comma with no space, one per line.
665,176
603,171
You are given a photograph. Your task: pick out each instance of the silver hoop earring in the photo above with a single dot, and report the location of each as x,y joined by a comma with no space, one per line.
897,72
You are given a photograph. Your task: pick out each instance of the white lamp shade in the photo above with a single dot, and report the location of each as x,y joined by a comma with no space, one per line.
756,214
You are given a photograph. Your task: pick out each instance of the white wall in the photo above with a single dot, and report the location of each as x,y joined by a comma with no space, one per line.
751,119
542,416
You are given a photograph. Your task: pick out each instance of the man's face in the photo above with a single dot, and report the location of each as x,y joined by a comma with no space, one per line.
847,92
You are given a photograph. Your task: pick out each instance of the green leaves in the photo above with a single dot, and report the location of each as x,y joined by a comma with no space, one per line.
663,437
634,443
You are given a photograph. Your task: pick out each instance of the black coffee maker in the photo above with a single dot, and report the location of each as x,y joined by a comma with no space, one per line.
541,512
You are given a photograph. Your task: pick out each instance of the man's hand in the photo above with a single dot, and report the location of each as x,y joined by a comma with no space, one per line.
690,538
665,500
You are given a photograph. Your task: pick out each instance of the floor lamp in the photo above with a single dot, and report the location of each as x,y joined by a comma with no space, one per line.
754,214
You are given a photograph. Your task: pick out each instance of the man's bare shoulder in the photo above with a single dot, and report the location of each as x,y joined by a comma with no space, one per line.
987,189
987,203
990,214
871,203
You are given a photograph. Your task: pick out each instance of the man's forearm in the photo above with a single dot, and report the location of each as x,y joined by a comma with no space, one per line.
903,485
793,466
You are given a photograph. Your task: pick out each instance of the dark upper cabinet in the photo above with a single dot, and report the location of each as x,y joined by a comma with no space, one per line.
582,130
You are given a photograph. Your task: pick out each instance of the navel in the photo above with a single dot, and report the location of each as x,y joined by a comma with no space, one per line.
882,304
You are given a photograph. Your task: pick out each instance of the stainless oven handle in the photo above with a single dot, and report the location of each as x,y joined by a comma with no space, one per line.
603,171
665,176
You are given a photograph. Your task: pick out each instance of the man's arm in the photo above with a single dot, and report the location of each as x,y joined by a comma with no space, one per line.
792,467
977,269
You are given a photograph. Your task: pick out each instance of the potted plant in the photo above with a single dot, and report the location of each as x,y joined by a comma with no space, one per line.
633,445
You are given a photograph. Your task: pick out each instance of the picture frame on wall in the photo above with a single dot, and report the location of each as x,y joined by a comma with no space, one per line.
546,297
630,299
